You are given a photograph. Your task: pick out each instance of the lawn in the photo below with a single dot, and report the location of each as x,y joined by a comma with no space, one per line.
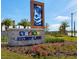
5,54
65,38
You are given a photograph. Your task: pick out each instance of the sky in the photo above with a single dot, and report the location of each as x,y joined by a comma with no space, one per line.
55,11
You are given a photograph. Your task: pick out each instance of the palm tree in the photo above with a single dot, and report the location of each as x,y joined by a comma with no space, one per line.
24,23
60,29
14,24
19,24
7,22
63,27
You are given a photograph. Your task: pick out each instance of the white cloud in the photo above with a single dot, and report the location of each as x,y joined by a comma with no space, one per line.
62,18
54,27
68,28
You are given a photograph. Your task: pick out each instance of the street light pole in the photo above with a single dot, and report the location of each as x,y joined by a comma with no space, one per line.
71,24
74,28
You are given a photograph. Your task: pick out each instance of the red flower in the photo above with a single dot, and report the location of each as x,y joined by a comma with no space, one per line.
35,48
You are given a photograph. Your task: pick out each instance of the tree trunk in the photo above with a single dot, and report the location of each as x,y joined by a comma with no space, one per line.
24,27
6,28
19,26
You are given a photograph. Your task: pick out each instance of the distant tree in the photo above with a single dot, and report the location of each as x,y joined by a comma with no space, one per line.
7,22
24,23
63,27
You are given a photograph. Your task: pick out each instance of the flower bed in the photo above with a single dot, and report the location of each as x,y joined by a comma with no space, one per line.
48,49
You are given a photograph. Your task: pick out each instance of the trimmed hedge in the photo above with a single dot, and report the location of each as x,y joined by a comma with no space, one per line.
53,40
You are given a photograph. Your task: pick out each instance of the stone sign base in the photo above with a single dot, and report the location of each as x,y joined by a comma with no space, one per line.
21,37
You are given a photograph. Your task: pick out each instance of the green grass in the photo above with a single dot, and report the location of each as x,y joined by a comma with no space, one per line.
74,39
5,54
67,57
66,38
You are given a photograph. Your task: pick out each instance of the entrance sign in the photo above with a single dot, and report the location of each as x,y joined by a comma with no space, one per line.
35,35
19,37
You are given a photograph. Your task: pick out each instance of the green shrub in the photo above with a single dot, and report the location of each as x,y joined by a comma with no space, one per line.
53,40
4,38
72,39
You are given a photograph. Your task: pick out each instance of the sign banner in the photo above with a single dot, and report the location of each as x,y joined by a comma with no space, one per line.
37,14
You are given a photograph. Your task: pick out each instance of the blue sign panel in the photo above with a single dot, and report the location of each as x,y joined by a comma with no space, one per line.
29,38
37,15
22,33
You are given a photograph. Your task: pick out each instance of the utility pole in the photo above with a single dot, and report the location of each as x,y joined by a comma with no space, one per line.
71,24
74,28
